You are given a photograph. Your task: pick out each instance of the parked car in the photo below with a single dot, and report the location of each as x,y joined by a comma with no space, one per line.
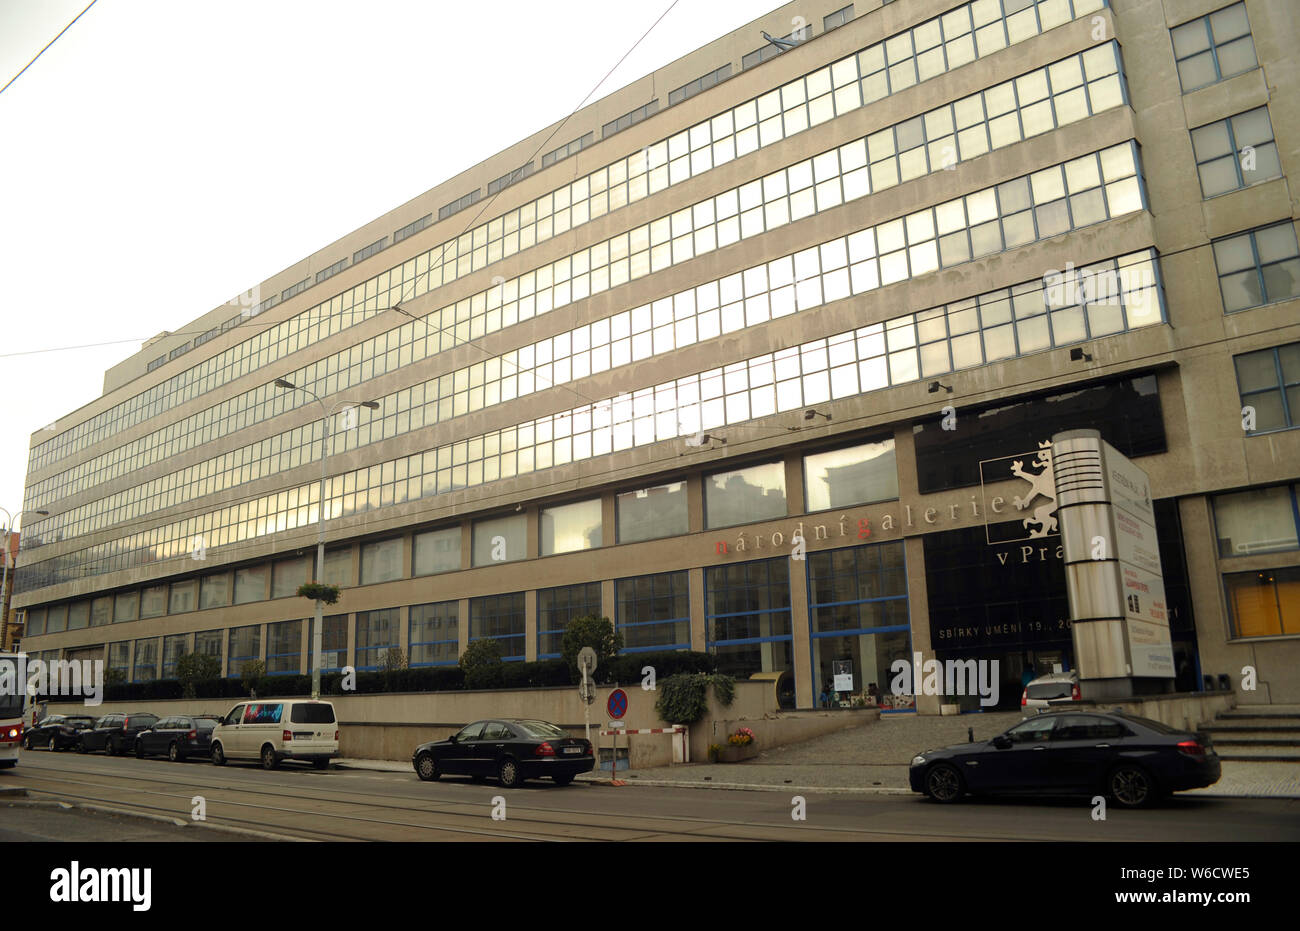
1048,691
511,750
115,733
1134,760
274,731
179,737
58,731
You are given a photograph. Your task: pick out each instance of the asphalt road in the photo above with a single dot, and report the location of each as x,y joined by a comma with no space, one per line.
335,805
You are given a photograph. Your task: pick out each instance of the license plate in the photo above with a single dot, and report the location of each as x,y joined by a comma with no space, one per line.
572,749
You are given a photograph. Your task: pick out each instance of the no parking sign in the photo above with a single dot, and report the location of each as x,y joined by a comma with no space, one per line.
617,704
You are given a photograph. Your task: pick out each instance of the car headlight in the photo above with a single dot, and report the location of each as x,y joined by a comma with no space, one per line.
918,759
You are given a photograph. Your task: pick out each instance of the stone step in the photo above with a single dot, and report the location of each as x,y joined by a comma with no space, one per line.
1260,754
1257,716
1238,727
1263,740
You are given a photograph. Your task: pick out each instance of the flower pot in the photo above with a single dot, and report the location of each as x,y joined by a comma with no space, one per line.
734,754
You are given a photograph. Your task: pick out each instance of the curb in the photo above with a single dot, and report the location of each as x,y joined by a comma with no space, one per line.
758,787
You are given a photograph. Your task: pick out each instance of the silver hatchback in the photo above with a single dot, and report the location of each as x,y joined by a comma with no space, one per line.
1049,691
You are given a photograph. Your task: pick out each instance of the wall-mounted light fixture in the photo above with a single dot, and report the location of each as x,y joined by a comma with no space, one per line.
1078,355
810,414
935,386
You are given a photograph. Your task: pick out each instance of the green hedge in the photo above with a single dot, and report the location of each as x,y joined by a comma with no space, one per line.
622,670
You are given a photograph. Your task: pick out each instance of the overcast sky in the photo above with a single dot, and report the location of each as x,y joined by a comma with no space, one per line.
163,156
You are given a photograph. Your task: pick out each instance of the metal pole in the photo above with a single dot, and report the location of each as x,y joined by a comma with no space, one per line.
316,638
586,705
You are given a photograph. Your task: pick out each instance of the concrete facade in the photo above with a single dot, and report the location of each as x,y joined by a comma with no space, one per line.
1190,351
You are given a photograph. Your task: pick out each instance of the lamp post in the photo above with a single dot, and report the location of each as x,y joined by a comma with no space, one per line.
4,577
320,525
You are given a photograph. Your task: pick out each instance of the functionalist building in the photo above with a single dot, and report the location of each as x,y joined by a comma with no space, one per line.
840,293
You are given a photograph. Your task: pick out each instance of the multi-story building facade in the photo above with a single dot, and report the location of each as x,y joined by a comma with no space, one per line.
755,355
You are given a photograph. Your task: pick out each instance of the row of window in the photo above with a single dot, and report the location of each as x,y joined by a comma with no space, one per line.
851,590
645,172
860,262
813,185
859,474
854,362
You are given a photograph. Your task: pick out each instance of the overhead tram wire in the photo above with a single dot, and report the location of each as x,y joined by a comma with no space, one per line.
47,45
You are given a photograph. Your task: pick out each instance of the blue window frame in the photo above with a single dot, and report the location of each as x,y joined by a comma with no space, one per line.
283,648
556,607
500,618
376,635
654,612
333,642
434,634
748,621
245,646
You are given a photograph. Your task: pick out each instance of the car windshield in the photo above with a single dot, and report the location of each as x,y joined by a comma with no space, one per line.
11,706
1059,689
539,729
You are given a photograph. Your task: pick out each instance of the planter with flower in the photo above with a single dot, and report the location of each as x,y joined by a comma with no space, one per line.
739,746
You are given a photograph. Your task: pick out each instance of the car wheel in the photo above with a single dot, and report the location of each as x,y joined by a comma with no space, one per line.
139,749
174,753
943,783
426,767
110,748
510,774
269,759
1131,786
218,756
562,780
321,764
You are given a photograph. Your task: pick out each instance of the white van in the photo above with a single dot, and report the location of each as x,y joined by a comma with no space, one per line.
274,731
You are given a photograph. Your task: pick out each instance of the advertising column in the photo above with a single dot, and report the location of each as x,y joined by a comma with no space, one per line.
1119,618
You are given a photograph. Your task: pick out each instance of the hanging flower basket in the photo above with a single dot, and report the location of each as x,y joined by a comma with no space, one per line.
329,594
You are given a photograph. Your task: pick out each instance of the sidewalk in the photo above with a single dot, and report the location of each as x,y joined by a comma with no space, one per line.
874,759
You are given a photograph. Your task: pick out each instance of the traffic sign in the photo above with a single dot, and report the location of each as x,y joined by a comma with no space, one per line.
587,659
617,704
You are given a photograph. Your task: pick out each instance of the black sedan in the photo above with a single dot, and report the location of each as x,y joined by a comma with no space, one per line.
178,737
511,750
115,733
1134,760
58,731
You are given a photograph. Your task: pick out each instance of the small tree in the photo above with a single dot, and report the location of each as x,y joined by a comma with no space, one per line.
394,660
196,667
481,663
114,677
589,631
249,673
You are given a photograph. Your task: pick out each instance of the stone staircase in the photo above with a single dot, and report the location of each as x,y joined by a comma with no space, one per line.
1257,733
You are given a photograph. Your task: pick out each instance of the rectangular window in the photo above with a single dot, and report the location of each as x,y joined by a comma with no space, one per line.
153,601
381,561
653,612
214,591
629,119
413,227
119,658
78,615
500,618
183,596
362,254
500,539
288,574
556,607
126,607
652,513
436,551
517,175
173,649
744,496
857,589
331,271
1236,152
295,289
699,85
283,648
1261,520
1269,382
459,204
35,622
434,633
1264,603
377,633
101,611
209,643
333,644
747,616
563,152
1257,267
145,668
837,19
250,584
567,528
338,567
245,647
841,478
1213,47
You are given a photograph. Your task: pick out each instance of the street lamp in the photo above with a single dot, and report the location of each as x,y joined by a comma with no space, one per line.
320,531
4,577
